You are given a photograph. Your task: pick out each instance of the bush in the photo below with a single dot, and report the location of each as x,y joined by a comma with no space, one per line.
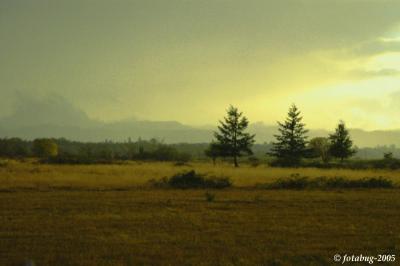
14,148
161,152
379,182
187,180
298,182
66,158
45,148
388,163
254,161
210,197
293,182
191,179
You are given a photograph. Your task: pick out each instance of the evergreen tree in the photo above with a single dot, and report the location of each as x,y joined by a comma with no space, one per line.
232,141
341,144
290,145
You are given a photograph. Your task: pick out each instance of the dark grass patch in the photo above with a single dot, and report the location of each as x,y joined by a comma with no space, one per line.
191,179
181,164
210,197
355,164
302,182
4,163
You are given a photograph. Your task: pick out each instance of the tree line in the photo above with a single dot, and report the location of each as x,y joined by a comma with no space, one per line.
291,143
65,151
231,142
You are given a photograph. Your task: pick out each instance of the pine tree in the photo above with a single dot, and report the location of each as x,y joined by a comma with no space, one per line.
290,145
341,144
231,138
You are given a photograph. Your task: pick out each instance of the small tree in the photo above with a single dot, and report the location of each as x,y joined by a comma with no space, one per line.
232,141
320,148
341,144
45,148
290,145
388,155
212,151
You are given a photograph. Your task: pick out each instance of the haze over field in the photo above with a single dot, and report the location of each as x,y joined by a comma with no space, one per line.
78,68
55,117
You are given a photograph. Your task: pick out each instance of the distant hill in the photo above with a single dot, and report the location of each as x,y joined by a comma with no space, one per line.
57,118
361,138
169,132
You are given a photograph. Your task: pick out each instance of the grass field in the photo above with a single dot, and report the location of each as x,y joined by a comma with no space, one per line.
106,215
16,175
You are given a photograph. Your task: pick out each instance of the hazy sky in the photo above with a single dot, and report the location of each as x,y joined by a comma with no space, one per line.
187,60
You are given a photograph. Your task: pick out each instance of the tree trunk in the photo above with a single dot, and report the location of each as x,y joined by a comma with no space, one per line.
235,161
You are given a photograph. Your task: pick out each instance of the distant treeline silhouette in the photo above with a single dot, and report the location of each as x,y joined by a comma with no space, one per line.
73,152
152,149
231,143
65,151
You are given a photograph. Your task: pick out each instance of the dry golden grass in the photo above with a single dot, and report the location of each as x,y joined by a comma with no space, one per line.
59,215
170,227
37,176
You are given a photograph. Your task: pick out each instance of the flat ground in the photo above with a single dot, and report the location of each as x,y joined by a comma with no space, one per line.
105,215
29,175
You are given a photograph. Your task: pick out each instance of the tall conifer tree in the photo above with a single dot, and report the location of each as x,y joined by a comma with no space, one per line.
290,144
341,145
231,137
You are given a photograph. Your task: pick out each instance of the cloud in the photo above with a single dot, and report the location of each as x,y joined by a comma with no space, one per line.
377,47
394,100
187,60
368,74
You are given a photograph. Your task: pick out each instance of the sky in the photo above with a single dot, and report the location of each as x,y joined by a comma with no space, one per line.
188,60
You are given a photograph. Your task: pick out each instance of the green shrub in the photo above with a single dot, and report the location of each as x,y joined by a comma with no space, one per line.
45,148
356,164
293,182
340,182
187,180
191,179
298,182
72,159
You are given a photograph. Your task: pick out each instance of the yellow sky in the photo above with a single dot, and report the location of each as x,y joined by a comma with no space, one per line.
188,60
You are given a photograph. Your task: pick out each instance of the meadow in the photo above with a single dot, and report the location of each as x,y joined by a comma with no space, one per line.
31,175
109,215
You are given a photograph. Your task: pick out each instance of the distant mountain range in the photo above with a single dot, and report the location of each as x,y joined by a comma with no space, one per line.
57,118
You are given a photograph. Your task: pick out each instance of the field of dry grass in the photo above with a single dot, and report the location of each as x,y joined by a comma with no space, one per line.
81,215
17,175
